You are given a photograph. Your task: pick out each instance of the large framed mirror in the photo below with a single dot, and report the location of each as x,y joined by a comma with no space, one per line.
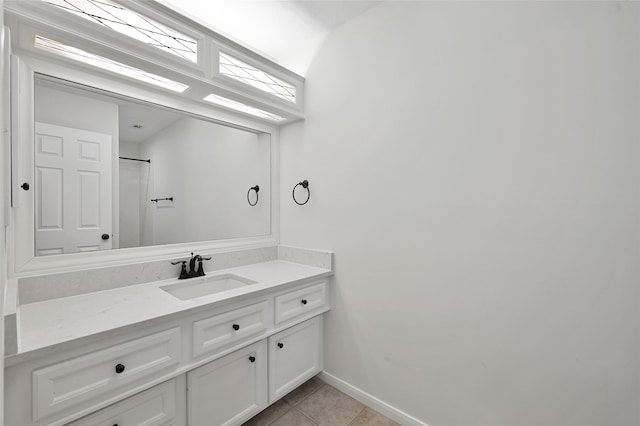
114,172
116,177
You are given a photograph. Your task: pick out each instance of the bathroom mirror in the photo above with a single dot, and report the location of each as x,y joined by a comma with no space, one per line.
114,172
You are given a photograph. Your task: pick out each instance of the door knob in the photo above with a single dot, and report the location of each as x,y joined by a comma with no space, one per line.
236,327
252,358
281,345
119,368
105,237
25,186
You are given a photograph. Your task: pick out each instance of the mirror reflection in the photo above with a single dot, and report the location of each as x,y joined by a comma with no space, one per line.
113,172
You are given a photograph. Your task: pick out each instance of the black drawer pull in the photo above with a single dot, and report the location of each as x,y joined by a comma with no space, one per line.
281,345
252,358
119,368
236,327
304,301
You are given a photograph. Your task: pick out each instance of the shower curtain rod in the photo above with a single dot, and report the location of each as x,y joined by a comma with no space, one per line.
135,159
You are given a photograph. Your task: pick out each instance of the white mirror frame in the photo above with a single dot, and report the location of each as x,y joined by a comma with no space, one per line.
22,259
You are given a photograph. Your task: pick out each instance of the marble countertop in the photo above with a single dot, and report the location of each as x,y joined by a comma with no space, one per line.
45,324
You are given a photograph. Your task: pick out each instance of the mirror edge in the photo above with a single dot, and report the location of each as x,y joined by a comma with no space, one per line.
21,258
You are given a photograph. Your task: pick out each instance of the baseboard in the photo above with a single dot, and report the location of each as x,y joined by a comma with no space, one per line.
370,401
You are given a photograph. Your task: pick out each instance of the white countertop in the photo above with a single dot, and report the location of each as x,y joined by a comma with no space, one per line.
52,322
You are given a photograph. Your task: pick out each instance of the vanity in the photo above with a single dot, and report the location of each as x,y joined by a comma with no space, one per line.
129,150
139,355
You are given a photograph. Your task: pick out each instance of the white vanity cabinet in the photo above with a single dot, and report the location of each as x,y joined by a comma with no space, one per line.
208,366
295,355
158,406
213,333
70,383
230,390
296,304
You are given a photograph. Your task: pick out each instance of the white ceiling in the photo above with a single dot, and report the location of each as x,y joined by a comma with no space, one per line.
152,120
289,32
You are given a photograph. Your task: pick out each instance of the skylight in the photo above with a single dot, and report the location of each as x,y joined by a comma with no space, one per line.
107,64
238,106
248,74
132,24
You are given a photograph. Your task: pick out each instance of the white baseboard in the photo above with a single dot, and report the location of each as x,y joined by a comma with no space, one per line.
370,401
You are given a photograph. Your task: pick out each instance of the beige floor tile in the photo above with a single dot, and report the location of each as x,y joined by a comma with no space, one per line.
303,391
269,414
293,418
370,417
330,407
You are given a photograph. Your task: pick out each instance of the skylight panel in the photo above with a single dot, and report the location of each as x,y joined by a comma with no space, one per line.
132,24
248,74
238,106
108,64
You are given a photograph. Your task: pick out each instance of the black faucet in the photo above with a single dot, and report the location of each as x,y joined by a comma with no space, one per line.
193,272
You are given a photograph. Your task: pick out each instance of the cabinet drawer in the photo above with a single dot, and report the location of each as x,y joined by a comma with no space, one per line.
153,407
300,302
294,357
223,330
66,384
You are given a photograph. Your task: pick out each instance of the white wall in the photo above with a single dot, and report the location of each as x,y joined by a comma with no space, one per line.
208,169
475,167
130,174
65,109
4,166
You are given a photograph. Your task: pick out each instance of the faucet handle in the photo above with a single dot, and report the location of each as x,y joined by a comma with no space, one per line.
183,269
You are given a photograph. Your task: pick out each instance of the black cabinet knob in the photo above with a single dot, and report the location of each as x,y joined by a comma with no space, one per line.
236,327
252,358
105,237
25,186
119,368
304,301
281,345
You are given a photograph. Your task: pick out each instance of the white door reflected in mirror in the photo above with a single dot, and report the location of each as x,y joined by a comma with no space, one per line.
73,190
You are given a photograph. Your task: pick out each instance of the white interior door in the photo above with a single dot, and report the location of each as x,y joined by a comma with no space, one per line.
73,190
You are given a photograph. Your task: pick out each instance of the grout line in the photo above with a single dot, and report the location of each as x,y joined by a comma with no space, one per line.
321,385
359,414
293,406
281,415
307,417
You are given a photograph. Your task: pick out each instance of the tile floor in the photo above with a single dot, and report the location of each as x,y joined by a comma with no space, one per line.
315,403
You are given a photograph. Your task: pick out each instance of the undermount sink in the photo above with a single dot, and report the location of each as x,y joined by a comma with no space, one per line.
204,286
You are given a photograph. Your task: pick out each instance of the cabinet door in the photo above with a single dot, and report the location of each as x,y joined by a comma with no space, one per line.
294,357
229,390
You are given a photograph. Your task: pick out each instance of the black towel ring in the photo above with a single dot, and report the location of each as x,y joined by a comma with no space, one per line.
253,188
305,185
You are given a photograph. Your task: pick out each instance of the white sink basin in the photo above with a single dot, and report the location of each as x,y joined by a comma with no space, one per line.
204,286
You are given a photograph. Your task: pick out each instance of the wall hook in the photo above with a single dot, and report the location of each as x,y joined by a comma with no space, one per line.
305,185
253,188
